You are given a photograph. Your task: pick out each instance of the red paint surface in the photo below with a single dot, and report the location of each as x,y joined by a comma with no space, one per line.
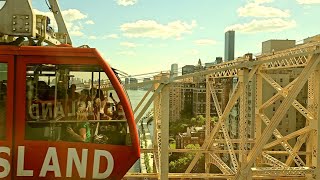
35,151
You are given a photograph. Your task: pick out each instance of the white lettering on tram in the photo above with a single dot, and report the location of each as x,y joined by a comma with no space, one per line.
80,165
4,163
96,162
51,156
51,163
20,164
47,110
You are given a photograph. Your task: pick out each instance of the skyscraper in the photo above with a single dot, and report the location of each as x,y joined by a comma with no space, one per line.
229,45
174,70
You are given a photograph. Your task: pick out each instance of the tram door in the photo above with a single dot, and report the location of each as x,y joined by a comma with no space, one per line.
6,106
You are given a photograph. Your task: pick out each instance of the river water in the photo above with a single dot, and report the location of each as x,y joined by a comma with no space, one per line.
135,97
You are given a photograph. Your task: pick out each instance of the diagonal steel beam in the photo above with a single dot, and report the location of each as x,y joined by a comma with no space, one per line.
230,148
284,143
155,94
142,100
277,96
275,162
215,100
307,114
225,133
280,113
220,164
301,139
288,137
209,141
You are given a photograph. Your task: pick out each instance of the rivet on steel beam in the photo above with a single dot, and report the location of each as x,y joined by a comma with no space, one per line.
27,29
14,17
27,23
14,22
27,17
14,29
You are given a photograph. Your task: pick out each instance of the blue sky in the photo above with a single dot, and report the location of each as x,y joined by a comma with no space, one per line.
140,36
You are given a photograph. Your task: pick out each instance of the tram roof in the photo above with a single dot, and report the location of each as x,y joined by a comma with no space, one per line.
48,51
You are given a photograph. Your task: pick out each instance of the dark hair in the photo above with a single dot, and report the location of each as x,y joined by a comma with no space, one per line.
91,91
85,91
100,94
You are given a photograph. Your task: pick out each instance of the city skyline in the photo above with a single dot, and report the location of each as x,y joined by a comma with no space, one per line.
143,36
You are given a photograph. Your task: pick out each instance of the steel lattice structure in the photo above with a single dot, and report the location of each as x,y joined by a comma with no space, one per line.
253,157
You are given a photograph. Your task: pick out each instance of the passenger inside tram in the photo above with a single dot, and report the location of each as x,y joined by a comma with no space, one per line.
71,107
72,94
80,131
3,97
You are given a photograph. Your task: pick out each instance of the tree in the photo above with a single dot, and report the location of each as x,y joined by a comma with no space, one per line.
214,119
182,161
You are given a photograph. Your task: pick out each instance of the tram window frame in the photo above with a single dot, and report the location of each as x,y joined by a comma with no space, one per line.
70,71
3,100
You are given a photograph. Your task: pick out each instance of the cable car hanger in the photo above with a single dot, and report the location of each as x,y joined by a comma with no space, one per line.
18,21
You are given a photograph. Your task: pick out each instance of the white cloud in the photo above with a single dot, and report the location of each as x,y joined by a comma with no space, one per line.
266,25
73,15
261,1
89,22
152,29
161,45
127,53
76,33
111,36
126,2
205,42
92,37
256,10
128,44
308,1
73,19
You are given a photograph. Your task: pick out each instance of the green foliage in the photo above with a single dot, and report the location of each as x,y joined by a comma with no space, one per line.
214,119
181,125
198,121
146,157
180,161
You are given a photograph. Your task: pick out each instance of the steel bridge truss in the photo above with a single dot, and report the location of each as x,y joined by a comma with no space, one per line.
250,157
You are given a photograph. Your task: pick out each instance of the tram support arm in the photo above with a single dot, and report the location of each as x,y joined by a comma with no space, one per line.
62,28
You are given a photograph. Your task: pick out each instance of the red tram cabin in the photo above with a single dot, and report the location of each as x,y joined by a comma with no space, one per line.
63,114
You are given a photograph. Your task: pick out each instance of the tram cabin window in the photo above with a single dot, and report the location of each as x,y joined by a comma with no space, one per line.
3,99
75,103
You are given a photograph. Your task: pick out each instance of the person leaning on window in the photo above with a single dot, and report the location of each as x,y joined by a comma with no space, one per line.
80,131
